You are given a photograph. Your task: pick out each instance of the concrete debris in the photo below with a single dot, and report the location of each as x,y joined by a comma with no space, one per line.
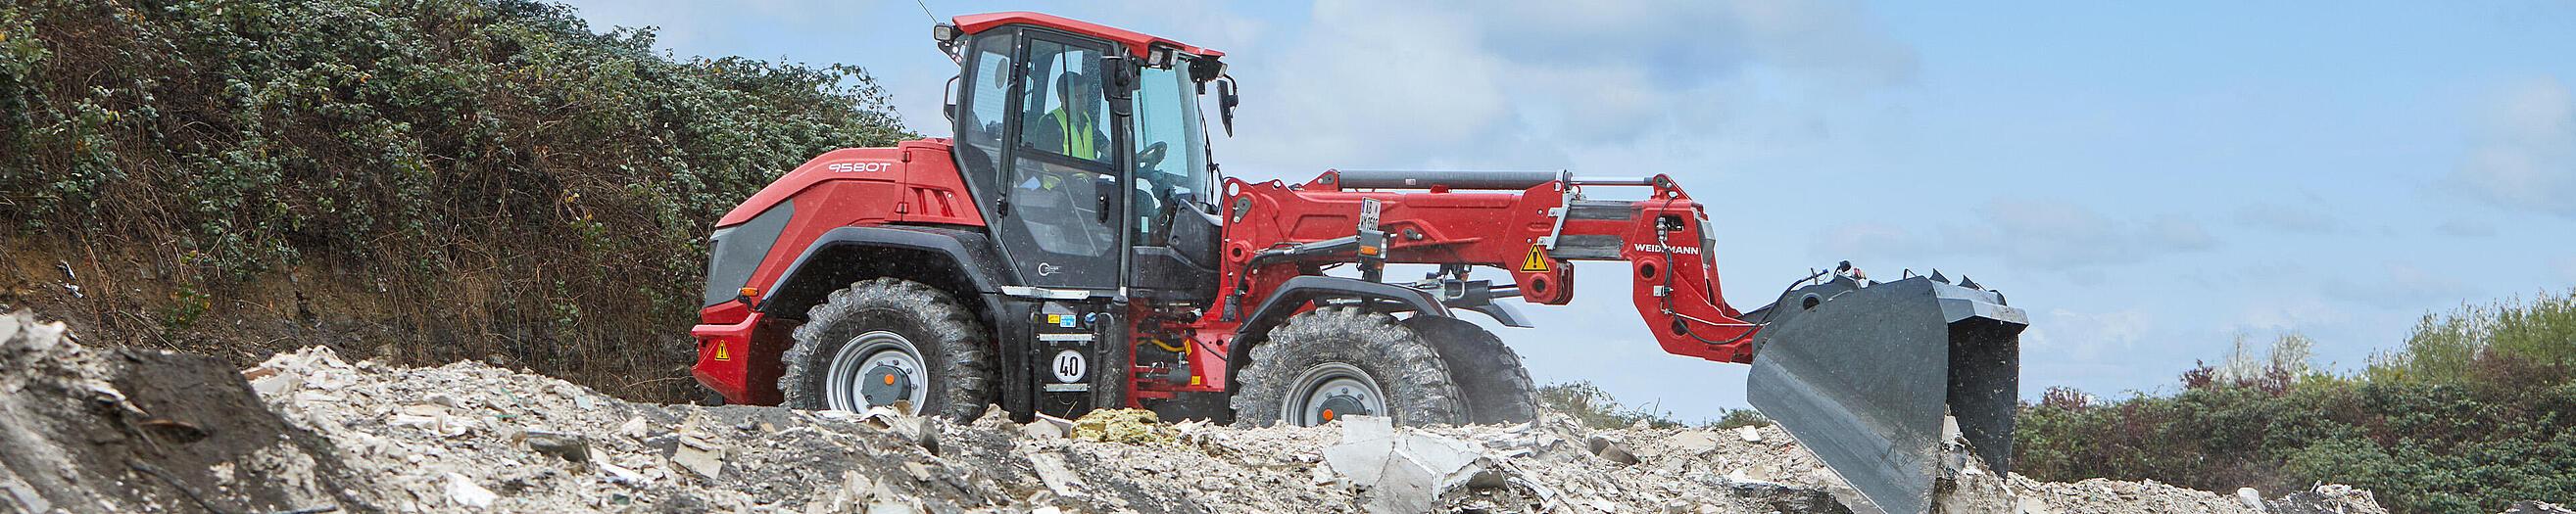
2251,497
311,431
569,447
2324,499
2535,507
1048,427
1611,450
465,493
696,453
634,428
1405,471
1057,477
922,431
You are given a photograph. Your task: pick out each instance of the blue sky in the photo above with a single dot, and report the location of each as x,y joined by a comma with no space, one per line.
2151,181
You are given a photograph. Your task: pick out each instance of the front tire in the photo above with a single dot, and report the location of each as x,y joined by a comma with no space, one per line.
1338,361
1497,388
887,342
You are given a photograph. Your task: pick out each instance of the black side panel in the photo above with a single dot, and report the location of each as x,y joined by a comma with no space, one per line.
970,254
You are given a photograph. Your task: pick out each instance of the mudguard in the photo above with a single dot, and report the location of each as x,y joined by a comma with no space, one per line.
1868,375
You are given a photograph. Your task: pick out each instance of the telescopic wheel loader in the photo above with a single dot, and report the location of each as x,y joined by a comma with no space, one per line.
1073,247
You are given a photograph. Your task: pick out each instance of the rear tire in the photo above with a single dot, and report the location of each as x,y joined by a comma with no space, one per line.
1497,389
1359,362
887,317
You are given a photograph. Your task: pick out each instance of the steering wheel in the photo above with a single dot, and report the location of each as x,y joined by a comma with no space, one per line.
1152,155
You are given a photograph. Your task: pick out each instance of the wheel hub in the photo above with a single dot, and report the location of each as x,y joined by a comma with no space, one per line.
1330,391
884,384
876,369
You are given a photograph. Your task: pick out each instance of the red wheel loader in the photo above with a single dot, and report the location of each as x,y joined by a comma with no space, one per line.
1074,247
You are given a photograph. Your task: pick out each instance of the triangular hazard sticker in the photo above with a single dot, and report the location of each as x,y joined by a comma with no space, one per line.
1536,262
721,354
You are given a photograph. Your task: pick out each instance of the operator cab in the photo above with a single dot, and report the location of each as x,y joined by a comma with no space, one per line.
1086,146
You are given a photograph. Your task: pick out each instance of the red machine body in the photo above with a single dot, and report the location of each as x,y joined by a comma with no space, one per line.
916,182
1053,260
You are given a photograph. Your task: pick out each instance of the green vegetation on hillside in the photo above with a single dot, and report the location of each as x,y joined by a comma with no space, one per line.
498,180
2476,411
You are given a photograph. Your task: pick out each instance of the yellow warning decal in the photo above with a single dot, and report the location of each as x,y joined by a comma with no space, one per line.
1537,260
721,354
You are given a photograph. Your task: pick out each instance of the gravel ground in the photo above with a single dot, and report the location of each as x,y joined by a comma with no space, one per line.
133,431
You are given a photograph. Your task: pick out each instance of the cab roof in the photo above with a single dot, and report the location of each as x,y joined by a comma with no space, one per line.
1135,41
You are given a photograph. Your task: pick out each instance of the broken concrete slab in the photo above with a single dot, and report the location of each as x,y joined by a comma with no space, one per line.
2535,507
1611,450
698,454
1058,478
465,493
567,446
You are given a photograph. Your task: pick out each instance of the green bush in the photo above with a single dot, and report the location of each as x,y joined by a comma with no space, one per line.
524,187
2475,412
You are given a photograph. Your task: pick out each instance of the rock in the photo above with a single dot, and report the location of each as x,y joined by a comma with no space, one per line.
619,474
1693,442
28,500
633,428
2535,507
274,383
569,447
1042,429
1784,498
467,494
699,455
2324,499
922,431
2252,498
1610,450
920,472
1058,478
1749,434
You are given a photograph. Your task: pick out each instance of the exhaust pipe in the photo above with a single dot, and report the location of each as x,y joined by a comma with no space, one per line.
1490,180
1868,376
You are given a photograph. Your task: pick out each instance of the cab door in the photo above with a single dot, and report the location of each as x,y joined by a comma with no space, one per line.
1058,200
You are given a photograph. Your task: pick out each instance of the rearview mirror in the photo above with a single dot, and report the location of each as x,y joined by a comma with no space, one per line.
1225,102
948,99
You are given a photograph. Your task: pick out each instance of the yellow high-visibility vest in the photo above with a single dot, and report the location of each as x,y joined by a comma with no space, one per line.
1077,134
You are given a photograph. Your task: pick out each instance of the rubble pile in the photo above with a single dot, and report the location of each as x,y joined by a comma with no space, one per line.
363,437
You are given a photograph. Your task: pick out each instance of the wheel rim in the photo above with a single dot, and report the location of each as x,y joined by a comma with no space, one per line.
1330,391
876,369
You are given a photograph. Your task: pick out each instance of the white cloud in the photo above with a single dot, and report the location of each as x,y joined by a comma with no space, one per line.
2278,314
2085,335
2398,286
2464,228
2296,219
2046,234
1647,85
2525,157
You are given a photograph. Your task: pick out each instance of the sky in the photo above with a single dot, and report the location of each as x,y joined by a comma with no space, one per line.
2151,181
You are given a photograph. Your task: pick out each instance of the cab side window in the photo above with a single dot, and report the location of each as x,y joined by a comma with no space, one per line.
1065,112
989,100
